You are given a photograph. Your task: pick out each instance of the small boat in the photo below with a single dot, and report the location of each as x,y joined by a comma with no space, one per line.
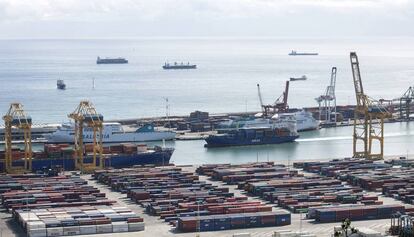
111,60
295,53
60,84
302,78
179,66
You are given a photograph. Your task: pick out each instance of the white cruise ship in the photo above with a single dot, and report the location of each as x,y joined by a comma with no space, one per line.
304,121
112,133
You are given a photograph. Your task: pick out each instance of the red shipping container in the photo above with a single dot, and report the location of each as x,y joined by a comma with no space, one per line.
342,214
356,214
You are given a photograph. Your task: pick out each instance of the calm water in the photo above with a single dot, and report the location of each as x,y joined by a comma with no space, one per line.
225,81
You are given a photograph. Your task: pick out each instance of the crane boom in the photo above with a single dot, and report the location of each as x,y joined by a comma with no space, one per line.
359,90
260,98
285,95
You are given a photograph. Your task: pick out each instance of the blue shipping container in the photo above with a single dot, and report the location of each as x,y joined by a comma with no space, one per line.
252,220
283,219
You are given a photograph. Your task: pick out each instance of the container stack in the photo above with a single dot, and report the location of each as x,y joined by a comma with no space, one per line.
63,205
178,197
396,182
288,188
337,214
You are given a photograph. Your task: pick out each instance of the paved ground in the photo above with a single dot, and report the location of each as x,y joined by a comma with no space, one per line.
158,228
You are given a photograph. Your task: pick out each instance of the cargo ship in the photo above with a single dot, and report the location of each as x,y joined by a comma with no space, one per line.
281,131
295,53
115,156
111,60
112,133
179,66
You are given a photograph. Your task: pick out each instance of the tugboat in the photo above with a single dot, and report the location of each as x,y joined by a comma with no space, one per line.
60,84
294,53
179,66
281,131
111,60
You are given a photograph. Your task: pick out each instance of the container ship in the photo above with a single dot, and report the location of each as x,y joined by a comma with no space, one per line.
111,60
281,131
179,66
115,156
112,133
295,53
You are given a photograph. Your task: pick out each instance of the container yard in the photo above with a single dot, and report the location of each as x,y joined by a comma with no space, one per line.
63,205
215,200
187,204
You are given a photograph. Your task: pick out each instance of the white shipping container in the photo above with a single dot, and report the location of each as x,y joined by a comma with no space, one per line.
278,232
71,230
139,226
37,232
55,231
242,235
107,228
87,229
287,234
35,225
119,227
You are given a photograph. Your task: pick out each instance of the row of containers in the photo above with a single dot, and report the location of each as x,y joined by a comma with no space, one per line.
394,178
63,205
323,198
182,200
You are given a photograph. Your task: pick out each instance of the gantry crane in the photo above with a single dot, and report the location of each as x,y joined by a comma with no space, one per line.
85,114
16,117
368,120
405,103
279,106
327,102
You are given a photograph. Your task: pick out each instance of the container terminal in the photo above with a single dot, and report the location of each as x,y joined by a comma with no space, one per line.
97,194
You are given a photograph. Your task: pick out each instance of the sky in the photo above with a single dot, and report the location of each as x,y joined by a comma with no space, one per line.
205,18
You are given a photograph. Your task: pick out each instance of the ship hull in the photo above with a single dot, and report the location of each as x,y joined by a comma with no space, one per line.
224,141
115,138
120,62
303,54
179,67
116,161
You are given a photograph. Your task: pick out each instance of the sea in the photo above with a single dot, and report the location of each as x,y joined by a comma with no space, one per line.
228,70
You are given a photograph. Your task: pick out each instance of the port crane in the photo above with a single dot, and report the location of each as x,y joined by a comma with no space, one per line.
368,119
86,115
16,117
327,102
405,103
279,106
